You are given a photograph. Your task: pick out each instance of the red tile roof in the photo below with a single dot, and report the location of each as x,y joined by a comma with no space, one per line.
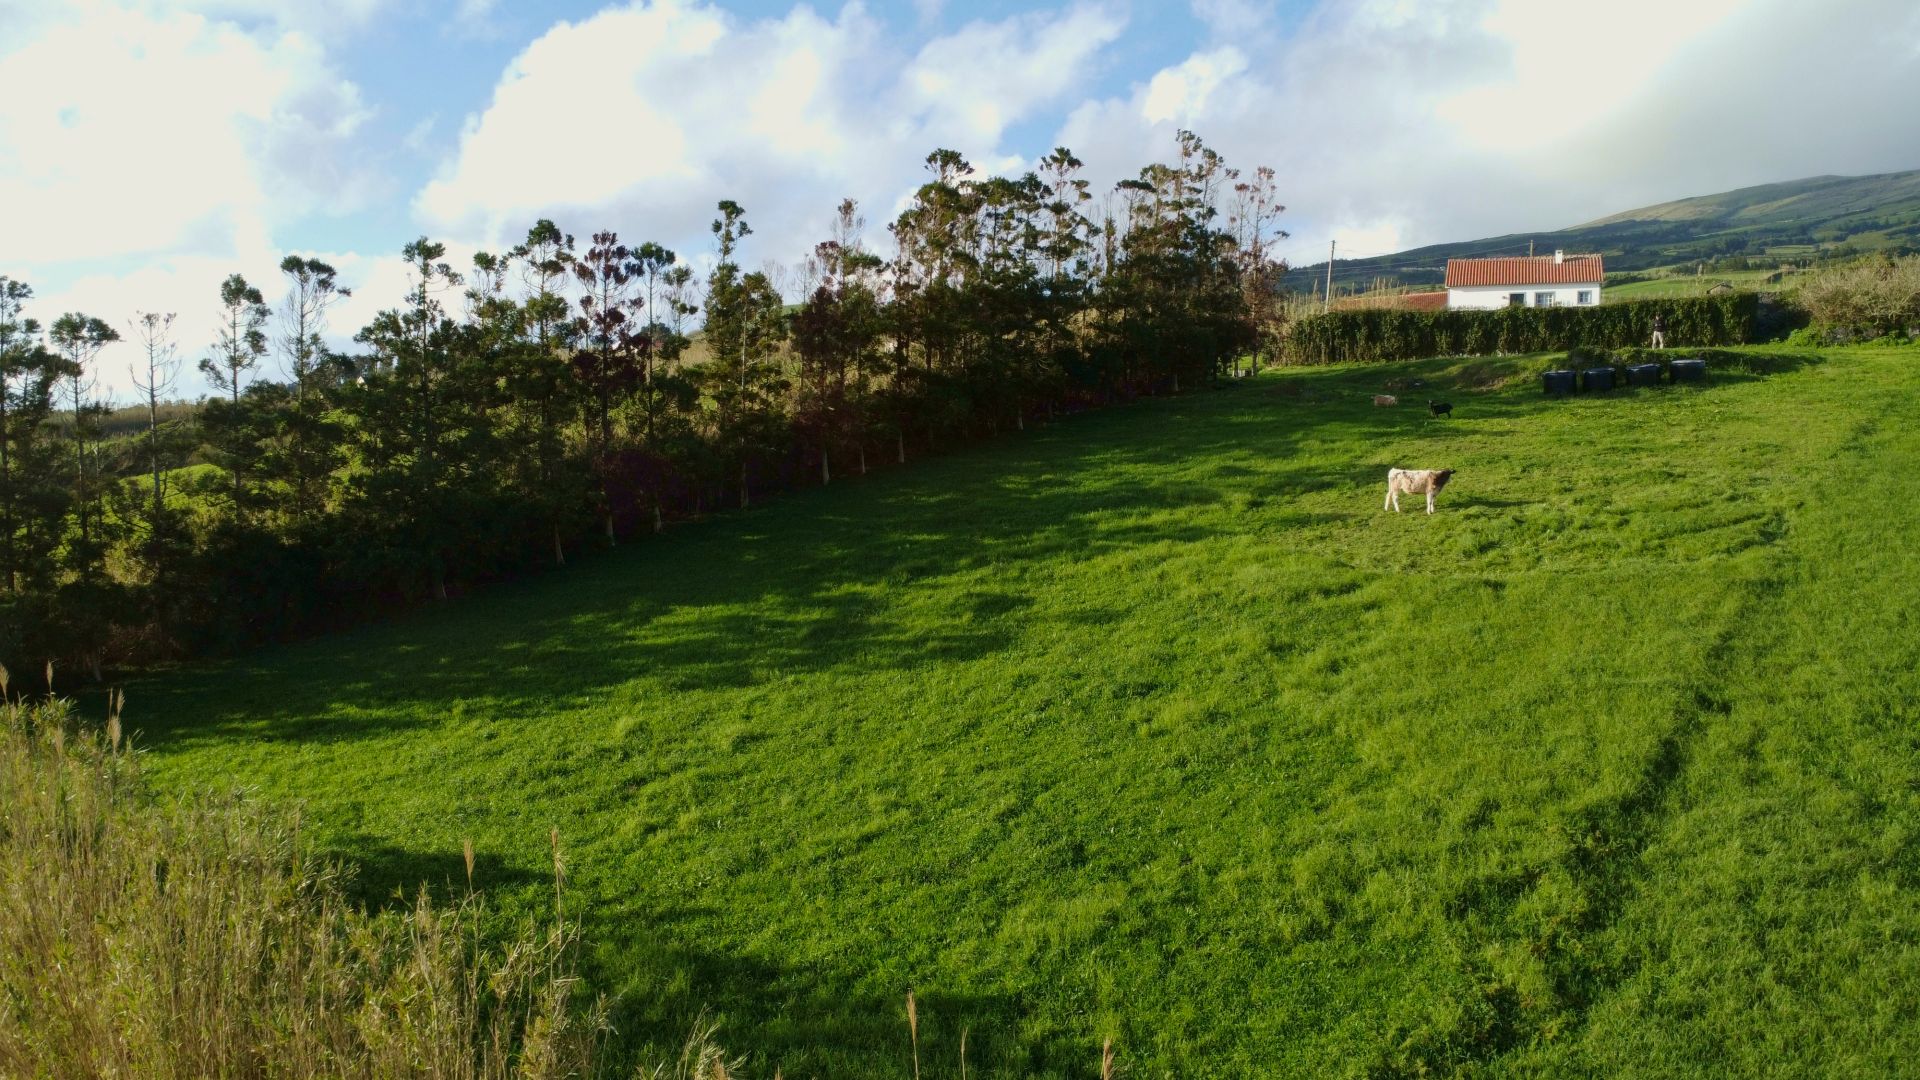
1525,270
1424,301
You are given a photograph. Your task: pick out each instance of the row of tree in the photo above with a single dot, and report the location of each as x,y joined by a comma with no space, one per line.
558,395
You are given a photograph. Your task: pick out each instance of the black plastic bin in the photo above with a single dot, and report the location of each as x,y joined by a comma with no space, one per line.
1557,382
1596,379
1643,375
1689,370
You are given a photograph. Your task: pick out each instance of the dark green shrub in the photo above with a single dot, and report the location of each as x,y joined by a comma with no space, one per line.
1384,335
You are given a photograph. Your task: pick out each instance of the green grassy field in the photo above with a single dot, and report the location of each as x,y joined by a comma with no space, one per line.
1683,285
1688,284
1151,724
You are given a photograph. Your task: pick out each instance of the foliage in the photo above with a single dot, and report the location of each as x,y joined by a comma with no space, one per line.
204,937
1373,335
543,400
1152,724
1868,298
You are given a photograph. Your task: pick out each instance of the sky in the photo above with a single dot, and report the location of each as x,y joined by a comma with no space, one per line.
149,148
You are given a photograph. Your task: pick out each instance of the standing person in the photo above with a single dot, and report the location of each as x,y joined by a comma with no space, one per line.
1659,331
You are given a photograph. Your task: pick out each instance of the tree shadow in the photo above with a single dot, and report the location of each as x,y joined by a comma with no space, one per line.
806,1020
810,583
383,876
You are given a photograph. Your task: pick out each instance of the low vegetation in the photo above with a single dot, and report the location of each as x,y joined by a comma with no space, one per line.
151,936
1149,724
1378,335
1869,298
1685,282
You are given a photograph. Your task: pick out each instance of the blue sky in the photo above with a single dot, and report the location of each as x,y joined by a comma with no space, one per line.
150,147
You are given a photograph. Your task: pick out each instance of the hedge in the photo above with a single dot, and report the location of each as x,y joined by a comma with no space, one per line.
1382,335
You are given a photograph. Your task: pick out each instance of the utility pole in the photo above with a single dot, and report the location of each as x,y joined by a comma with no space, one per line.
1329,300
1529,249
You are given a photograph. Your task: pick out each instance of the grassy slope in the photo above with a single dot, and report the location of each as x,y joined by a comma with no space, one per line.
1683,285
1796,219
1822,199
1152,724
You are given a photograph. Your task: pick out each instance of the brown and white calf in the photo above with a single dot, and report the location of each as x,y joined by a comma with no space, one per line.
1426,482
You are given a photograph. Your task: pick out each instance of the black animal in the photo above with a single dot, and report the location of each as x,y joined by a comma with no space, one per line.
1440,408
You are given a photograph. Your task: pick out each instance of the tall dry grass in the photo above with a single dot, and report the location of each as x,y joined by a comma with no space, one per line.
1869,297
198,938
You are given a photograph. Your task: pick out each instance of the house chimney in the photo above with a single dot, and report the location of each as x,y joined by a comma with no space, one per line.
1559,256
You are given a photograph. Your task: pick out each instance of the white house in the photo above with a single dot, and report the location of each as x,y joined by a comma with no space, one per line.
1556,280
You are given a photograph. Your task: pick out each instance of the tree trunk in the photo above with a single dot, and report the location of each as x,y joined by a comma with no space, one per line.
743,485
903,447
6,484
863,459
1020,421
153,445
612,541
559,550
826,471
659,521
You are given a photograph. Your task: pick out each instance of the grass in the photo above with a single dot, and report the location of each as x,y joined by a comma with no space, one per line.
1690,284
150,937
1151,725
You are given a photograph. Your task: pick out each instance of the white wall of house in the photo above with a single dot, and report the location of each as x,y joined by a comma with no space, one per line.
1499,296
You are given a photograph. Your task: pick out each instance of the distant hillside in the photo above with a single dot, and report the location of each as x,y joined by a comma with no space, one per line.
1800,219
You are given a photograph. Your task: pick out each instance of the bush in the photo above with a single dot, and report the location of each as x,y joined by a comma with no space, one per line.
1385,335
1812,336
1867,299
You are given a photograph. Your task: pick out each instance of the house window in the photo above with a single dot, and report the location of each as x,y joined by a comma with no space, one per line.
1543,299
1586,296
1517,299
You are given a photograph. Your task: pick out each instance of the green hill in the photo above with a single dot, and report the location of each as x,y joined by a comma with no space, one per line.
1798,220
1151,724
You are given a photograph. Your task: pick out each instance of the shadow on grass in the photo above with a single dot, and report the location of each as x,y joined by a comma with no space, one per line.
387,877
816,582
815,1024
811,582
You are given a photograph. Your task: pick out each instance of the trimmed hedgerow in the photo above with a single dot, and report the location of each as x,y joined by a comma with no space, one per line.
1384,335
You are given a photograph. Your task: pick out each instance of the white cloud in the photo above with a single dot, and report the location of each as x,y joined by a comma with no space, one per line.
326,19
643,116
1394,124
147,151
986,75
1181,94
191,136
201,131
1237,19
1505,113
